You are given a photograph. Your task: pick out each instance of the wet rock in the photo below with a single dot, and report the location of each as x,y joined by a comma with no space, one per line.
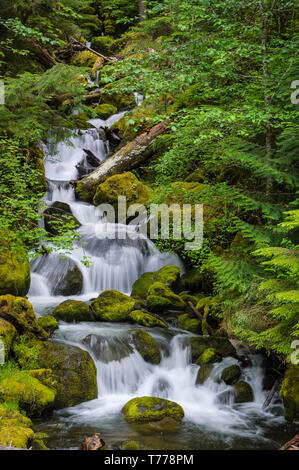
57,216
231,375
159,291
169,275
190,324
204,373
151,409
109,348
74,371
19,312
200,343
14,270
289,393
113,306
130,445
93,443
48,323
209,356
104,111
146,346
70,280
142,317
243,392
73,311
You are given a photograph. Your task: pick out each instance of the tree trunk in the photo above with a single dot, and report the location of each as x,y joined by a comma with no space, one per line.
42,55
142,11
124,159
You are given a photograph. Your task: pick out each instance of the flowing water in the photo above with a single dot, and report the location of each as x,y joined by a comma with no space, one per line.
212,420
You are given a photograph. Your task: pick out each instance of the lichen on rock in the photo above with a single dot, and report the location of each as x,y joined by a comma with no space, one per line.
113,306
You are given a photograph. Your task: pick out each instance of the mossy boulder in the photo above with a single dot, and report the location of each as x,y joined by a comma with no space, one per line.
48,323
104,111
141,286
209,356
190,324
19,312
79,121
121,101
243,392
57,216
84,59
102,44
155,303
31,395
146,346
14,269
96,67
230,375
73,311
204,373
199,344
147,409
84,192
7,336
74,371
188,298
71,282
169,275
289,393
125,184
130,445
193,281
144,318
162,291
19,437
113,306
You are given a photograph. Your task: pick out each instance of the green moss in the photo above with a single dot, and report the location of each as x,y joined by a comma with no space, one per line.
19,312
7,336
125,184
84,192
26,350
169,275
84,59
142,317
79,121
193,280
231,375
113,306
16,436
243,392
130,445
104,111
146,346
204,373
190,324
155,303
161,290
146,409
200,343
109,27
45,376
14,270
102,44
289,392
209,356
141,286
32,396
73,311
96,67
121,101
188,298
48,323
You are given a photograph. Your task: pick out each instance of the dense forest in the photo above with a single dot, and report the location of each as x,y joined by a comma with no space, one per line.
191,102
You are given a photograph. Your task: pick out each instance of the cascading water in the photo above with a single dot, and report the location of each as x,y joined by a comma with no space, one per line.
212,420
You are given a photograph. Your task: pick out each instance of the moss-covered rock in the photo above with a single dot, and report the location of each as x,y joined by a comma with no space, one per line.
57,216
209,356
188,298
146,409
141,286
74,371
84,192
289,392
121,101
71,282
104,111
19,312
84,59
169,275
125,184
16,436
7,336
73,311
144,318
204,373
113,306
96,67
79,121
14,269
130,445
155,303
102,44
243,392
161,290
193,280
230,375
48,323
200,343
146,346
31,395
190,324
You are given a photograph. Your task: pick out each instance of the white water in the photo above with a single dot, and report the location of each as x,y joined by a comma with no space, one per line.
116,264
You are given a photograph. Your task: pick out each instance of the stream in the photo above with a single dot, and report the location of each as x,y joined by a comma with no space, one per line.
212,420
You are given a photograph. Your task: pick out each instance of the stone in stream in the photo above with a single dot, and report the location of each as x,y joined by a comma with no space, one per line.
73,311
160,297
57,216
113,306
200,343
204,373
144,318
169,275
93,443
230,375
71,280
109,348
146,345
243,392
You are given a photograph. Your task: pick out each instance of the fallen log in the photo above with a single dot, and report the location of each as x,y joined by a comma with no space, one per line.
83,46
293,444
128,157
195,311
271,394
92,443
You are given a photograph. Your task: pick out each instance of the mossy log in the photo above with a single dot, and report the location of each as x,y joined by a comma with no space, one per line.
128,157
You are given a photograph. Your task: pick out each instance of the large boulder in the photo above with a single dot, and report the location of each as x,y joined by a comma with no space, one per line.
48,323
204,373
160,297
15,428
19,312
73,311
7,336
146,346
58,216
230,375
190,324
31,395
113,306
151,409
73,370
199,344
14,270
209,356
144,318
169,275
243,392
125,184
71,283
289,392
104,111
